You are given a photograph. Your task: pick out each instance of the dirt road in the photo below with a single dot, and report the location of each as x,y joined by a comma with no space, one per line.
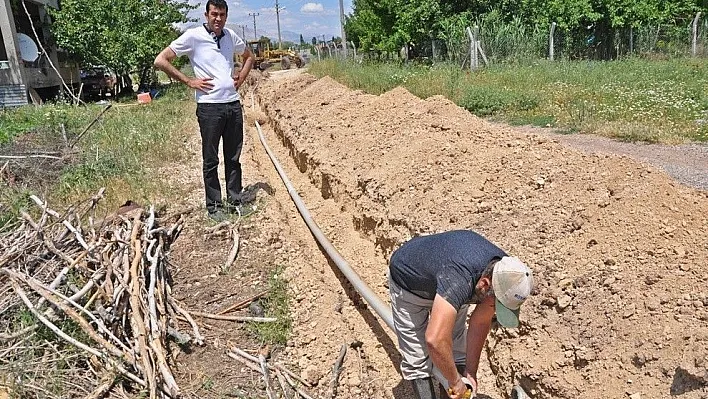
618,247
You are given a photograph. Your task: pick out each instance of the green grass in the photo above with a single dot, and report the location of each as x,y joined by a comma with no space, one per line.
21,364
120,153
117,152
11,201
634,99
275,304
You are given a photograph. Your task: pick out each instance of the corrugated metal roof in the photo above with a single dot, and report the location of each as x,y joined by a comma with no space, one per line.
13,96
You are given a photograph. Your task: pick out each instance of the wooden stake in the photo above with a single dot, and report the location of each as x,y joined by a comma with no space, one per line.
337,370
243,304
266,376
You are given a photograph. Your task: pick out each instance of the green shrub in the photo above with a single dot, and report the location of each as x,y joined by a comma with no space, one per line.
114,153
485,101
633,99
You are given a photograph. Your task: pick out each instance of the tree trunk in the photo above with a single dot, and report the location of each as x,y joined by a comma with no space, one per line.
145,78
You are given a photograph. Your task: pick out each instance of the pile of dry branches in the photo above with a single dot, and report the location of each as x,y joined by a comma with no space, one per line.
100,300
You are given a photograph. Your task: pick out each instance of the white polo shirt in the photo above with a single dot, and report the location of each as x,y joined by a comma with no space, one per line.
210,60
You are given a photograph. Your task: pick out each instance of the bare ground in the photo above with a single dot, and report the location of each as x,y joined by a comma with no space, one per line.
687,163
618,247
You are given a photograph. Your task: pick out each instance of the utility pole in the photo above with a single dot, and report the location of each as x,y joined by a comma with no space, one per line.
254,15
277,17
341,22
243,31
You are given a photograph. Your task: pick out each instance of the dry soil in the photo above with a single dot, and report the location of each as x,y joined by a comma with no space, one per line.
618,247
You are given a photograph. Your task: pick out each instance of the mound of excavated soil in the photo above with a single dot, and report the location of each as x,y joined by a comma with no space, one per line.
618,249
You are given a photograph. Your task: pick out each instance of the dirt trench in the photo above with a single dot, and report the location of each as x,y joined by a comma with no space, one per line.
618,247
325,311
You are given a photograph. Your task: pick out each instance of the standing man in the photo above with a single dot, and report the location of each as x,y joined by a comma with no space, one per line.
432,281
211,48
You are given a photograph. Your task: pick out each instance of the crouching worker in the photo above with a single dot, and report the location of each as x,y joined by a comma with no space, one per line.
433,280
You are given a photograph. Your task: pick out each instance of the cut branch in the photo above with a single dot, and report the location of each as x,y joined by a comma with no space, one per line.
111,280
337,370
234,250
30,156
243,304
235,318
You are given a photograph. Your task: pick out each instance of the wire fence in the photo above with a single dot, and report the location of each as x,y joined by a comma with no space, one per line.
502,41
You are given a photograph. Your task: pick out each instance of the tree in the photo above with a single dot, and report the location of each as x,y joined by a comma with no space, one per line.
124,35
314,41
589,26
416,20
302,41
265,41
371,25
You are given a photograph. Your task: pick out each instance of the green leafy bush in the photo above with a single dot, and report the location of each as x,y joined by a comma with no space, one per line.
485,101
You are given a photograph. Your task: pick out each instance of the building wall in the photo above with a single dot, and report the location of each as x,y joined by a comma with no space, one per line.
17,75
13,75
13,95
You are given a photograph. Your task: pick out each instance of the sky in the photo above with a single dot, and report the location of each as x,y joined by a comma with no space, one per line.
306,17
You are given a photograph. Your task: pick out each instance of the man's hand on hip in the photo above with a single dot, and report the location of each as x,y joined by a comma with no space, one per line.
237,82
203,84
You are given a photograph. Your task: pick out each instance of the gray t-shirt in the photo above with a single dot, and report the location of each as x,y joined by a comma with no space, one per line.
448,264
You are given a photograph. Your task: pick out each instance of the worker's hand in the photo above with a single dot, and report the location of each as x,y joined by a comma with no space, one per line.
202,84
457,390
473,381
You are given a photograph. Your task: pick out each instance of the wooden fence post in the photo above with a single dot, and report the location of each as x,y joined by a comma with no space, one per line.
476,46
481,52
474,61
694,38
551,42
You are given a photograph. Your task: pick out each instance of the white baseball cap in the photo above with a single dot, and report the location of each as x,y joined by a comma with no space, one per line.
512,282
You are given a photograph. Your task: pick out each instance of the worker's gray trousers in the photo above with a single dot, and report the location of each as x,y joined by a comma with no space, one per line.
410,319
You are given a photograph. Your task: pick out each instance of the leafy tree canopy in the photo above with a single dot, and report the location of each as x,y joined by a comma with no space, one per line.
123,35
386,25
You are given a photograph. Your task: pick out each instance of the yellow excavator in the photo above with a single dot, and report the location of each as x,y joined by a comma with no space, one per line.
264,57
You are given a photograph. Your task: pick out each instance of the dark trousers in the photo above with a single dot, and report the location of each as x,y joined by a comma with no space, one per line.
217,122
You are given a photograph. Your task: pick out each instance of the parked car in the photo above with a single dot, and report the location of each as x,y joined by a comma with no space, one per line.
99,81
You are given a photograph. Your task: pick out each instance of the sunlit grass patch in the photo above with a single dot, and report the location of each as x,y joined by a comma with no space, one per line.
120,152
634,99
276,304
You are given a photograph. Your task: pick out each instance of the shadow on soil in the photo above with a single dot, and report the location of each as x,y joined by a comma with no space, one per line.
249,192
402,390
685,382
